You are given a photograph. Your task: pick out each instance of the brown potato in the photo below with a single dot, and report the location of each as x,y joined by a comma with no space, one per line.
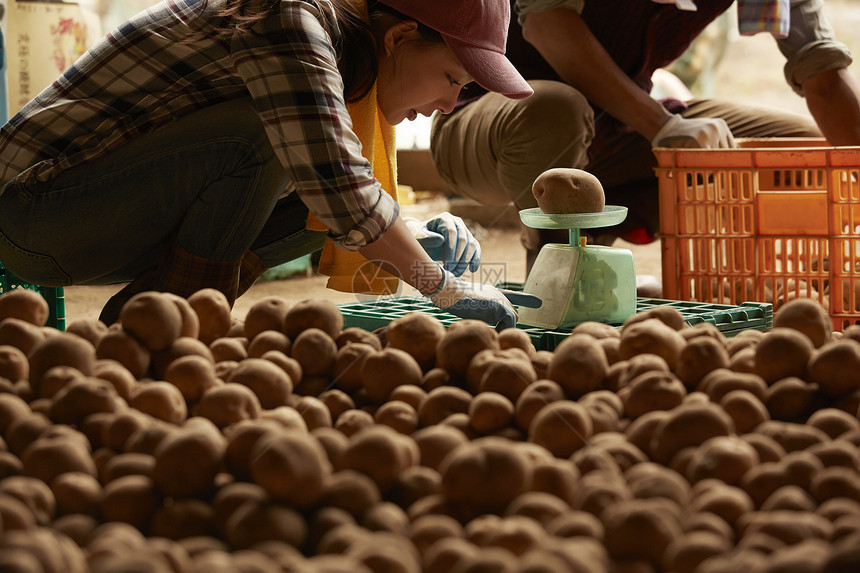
192,375
315,350
745,409
161,400
123,348
270,384
12,408
13,363
490,412
834,422
652,336
516,338
462,341
346,373
534,398
397,415
355,334
540,361
313,313
437,441
117,375
508,374
484,475
314,412
20,334
729,502
562,427
292,466
640,529
790,398
255,522
213,312
381,453
182,346
806,316
119,427
442,402
699,357
241,438
353,421
686,552
153,319
24,304
83,397
268,313
567,190
835,366
384,370
130,499
188,459
228,348
63,349
688,425
726,458
351,491
337,402
411,394
668,315
579,365
34,494
123,464
654,390
269,340
782,353
289,365
417,334
76,492
228,403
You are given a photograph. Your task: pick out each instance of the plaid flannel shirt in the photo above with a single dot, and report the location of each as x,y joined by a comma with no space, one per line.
164,63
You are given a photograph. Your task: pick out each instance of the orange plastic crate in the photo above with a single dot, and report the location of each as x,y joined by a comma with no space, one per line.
772,220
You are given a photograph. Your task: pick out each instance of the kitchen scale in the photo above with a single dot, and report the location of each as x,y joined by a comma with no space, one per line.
579,282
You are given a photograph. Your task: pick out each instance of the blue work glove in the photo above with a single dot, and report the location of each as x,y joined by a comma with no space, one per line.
446,238
485,302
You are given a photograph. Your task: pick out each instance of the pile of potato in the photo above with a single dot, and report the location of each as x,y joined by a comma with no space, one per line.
183,440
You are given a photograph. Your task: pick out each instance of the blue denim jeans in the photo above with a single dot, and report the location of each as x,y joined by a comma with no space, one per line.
208,180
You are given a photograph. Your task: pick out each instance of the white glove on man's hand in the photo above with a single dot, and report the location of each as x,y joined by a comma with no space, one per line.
704,132
481,301
446,238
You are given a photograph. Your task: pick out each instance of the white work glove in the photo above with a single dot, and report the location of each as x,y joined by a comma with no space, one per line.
480,301
697,132
446,238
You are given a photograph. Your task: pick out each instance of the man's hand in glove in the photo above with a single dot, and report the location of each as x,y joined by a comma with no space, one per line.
481,301
700,132
447,239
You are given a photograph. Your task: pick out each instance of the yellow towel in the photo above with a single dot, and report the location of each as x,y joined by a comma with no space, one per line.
349,271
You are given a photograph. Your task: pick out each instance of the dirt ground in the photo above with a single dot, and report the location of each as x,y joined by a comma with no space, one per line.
750,71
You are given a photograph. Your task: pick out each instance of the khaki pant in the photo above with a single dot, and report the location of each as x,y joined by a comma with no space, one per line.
493,149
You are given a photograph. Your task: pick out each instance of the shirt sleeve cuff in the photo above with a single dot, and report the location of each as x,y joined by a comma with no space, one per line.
813,59
383,215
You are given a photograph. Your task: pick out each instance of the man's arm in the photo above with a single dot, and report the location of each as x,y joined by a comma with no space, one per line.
833,99
567,44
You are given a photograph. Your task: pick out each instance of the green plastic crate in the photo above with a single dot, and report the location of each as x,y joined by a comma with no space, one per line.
730,320
54,295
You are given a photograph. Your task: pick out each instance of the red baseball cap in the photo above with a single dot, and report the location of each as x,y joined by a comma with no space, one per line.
477,32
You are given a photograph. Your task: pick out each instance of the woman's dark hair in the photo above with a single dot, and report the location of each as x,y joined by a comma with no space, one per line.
359,58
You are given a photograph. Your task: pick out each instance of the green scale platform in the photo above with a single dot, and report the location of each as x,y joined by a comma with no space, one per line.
730,320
